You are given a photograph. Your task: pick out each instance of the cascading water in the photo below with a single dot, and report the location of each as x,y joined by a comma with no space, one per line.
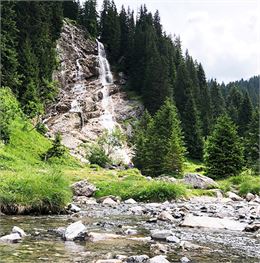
107,119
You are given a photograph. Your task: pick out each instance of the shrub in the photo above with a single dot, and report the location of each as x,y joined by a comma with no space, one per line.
98,156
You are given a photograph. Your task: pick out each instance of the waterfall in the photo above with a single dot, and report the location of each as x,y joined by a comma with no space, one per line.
107,120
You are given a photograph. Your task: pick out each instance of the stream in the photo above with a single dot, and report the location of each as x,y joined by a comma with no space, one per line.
43,245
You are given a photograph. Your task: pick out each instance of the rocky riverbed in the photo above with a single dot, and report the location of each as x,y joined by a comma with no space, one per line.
202,229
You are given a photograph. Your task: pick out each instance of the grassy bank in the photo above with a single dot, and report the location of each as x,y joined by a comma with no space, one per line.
27,184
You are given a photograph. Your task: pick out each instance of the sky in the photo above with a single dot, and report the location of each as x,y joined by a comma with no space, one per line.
224,35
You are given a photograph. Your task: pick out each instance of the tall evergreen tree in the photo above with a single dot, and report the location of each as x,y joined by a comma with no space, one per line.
9,62
245,114
188,113
71,9
224,151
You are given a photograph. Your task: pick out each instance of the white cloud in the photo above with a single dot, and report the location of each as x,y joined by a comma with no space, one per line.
222,35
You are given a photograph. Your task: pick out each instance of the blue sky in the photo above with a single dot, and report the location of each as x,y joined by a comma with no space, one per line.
222,35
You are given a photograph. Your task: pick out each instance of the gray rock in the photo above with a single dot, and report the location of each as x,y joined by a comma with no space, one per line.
161,234
250,197
173,239
199,181
76,231
184,260
18,230
234,197
83,188
131,232
165,216
73,208
158,259
109,201
137,259
130,201
159,248
11,238
212,222
137,210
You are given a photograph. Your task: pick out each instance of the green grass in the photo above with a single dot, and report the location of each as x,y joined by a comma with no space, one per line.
193,166
27,184
243,183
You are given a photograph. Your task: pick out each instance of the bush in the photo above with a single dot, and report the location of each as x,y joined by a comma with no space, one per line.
141,190
56,151
98,156
34,193
41,128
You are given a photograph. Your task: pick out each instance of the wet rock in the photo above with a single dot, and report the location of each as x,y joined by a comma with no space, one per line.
250,197
173,239
131,231
212,222
158,259
199,181
11,238
184,260
60,231
137,259
161,234
117,199
121,257
159,248
76,231
96,237
234,197
18,230
152,220
83,188
165,216
83,200
73,208
252,227
130,201
109,201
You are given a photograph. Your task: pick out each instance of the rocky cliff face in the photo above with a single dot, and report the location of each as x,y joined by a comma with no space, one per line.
80,110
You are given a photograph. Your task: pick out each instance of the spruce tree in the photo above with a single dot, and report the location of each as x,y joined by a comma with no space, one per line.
251,143
89,17
245,114
224,151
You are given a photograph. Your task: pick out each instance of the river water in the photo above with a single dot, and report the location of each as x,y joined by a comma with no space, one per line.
43,245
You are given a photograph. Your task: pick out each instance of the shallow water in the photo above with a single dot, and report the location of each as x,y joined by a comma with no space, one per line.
42,245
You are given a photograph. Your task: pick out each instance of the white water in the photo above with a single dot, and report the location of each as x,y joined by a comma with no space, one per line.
107,119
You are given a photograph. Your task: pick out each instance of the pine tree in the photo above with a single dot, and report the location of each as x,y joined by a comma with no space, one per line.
252,150
161,144
245,114
9,62
204,105
188,113
217,100
224,151
89,17
70,9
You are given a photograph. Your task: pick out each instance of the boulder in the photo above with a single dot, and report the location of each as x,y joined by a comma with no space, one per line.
234,197
165,216
109,201
83,188
73,208
199,181
250,197
252,227
158,259
212,222
161,234
11,238
184,260
137,259
18,230
76,231
130,201
173,239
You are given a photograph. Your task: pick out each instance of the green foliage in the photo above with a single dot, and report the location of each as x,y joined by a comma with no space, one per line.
159,146
224,152
41,128
9,110
141,190
57,150
102,152
38,193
